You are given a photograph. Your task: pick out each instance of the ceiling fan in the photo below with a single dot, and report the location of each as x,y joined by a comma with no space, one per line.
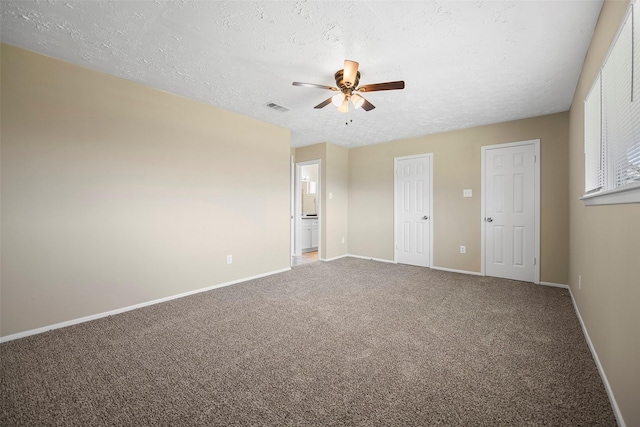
347,81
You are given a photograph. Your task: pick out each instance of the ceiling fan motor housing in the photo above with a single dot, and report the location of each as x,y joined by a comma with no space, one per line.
346,85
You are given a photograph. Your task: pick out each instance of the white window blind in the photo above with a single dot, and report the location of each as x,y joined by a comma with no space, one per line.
617,126
633,153
594,158
612,117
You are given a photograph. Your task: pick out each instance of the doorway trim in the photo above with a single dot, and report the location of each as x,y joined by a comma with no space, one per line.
292,207
536,212
298,206
396,160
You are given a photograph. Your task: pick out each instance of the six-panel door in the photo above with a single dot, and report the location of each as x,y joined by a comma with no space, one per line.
412,211
510,212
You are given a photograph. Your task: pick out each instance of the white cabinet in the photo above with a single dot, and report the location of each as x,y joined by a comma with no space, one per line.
314,234
309,234
305,235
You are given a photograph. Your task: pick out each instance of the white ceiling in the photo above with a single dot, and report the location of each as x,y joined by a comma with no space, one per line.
464,63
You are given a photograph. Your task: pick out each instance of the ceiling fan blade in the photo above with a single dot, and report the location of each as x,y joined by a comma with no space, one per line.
367,106
324,103
350,72
381,86
315,85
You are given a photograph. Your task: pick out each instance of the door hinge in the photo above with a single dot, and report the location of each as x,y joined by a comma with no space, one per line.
535,159
534,261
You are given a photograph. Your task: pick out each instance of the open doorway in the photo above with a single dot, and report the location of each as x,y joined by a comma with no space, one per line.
306,213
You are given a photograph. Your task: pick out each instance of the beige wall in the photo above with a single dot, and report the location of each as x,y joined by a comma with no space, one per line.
115,194
605,248
456,166
337,186
334,181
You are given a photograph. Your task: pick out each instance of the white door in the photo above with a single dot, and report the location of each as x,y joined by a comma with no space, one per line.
413,210
510,212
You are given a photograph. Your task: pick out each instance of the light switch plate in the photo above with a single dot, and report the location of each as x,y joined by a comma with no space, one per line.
467,193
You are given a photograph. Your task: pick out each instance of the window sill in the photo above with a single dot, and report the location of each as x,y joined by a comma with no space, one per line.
627,194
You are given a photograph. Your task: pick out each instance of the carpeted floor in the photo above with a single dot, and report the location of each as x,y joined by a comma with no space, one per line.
349,342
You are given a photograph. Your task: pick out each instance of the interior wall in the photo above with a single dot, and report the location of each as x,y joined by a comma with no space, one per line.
605,247
456,166
337,201
334,181
115,194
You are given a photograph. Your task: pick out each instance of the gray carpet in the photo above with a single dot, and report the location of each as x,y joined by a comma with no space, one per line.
349,342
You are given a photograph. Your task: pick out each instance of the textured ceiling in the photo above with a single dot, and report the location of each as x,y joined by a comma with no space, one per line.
465,63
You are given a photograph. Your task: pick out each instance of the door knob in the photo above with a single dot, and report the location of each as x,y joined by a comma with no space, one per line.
489,219
425,217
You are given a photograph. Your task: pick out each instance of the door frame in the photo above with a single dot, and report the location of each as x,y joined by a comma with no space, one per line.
396,160
536,213
297,215
292,208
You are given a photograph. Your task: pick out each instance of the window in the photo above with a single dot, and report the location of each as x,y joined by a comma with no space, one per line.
612,121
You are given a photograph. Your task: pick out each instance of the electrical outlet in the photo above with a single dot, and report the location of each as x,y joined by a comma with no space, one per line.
579,281
229,259
463,249
467,193
343,240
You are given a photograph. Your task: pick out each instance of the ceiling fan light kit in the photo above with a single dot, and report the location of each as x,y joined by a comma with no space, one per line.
347,81
344,107
357,100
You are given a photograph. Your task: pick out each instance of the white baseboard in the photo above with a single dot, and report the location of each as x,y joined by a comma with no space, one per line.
452,270
555,285
333,259
612,399
132,307
372,259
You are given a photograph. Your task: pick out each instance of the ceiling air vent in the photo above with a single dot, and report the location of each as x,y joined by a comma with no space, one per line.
276,107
